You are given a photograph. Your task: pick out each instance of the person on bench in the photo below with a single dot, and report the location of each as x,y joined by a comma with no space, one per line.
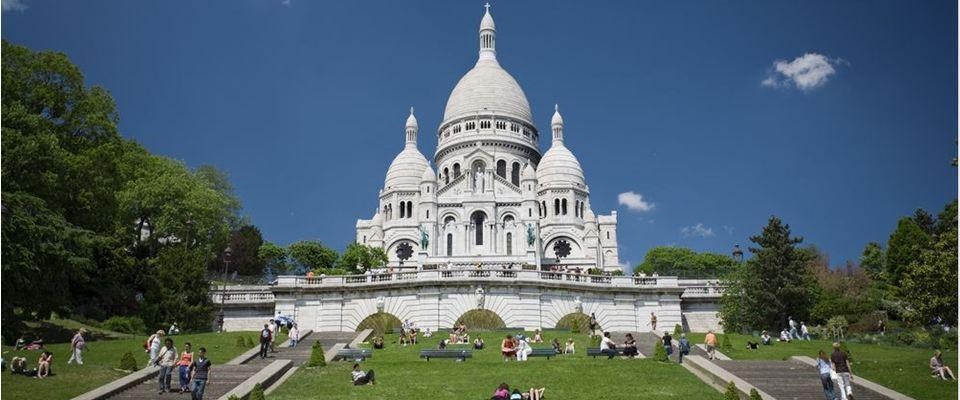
361,378
442,345
630,347
556,345
607,346
570,348
523,348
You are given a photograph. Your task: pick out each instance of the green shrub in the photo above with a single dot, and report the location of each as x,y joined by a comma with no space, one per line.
317,358
731,393
233,397
725,343
131,325
241,343
677,330
128,362
754,395
250,342
906,337
576,322
380,322
257,393
660,353
481,320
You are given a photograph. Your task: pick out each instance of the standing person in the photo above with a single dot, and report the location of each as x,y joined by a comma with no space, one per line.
793,328
594,326
274,329
183,367
711,342
362,378
76,347
607,346
153,346
881,327
824,368
667,344
804,333
265,339
166,360
937,367
841,365
200,369
294,335
684,347
508,348
653,322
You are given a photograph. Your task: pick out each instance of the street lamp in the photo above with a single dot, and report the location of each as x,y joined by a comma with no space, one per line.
223,295
738,258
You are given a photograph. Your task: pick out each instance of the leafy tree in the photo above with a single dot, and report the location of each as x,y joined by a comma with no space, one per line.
754,394
904,246
684,261
925,221
931,280
257,392
274,257
310,255
873,260
176,289
947,219
357,258
245,247
128,362
220,182
845,291
775,283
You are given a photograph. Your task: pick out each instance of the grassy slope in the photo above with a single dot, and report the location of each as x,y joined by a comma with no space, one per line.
401,374
100,361
904,369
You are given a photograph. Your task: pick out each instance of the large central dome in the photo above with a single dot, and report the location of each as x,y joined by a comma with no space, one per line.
487,88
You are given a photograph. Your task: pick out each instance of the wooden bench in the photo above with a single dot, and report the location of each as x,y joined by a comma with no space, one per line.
543,352
595,352
353,354
461,355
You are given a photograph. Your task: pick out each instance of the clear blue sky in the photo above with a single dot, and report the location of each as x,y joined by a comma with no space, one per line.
303,103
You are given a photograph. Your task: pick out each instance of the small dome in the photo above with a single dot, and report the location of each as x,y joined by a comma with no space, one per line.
428,175
487,21
557,119
411,120
559,167
529,173
406,170
488,88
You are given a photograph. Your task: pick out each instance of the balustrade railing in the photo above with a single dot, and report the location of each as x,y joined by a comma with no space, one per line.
519,275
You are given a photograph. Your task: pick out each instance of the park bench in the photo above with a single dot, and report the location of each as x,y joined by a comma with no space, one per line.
595,352
353,354
543,352
461,355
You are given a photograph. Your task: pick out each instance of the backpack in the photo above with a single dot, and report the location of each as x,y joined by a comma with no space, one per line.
684,346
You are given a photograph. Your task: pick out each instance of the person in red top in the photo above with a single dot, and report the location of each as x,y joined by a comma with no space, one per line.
508,348
186,358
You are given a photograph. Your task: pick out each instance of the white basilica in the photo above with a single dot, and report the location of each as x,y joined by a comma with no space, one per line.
493,198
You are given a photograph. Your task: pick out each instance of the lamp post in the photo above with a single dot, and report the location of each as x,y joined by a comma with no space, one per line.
223,295
738,258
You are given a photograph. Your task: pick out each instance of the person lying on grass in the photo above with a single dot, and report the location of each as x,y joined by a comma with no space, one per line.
361,378
502,392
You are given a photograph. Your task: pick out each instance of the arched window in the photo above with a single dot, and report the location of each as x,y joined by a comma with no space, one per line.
409,209
576,208
508,220
449,244
608,234
564,206
478,217
509,244
515,174
446,175
581,209
456,170
428,214
448,221
502,168
529,212
543,208
403,209
556,206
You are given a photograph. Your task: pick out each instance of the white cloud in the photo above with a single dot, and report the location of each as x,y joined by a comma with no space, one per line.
728,229
634,202
285,2
13,5
697,230
806,72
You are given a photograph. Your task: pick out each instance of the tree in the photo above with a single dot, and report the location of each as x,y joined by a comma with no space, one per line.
947,219
847,291
274,257
775,283
310,255
873,260
357,258
176,289
904,246
317,359
245,245
925,221
684,261
931,280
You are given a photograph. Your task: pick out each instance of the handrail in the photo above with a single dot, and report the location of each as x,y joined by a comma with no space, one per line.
471,274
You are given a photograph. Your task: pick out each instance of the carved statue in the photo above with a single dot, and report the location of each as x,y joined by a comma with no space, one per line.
578,304
480,297
424,239
478,180
380,301
531,238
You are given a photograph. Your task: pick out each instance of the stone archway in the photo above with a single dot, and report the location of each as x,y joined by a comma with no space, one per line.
481,320
380,322
575,321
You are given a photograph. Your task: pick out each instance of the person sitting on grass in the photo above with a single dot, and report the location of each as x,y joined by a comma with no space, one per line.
361,378
570,348
18,365
752,345
537,337
412,337
516,395
784,336
43,364
427,333
938,369
556,345
403,340
442,345
478,343
765,338
378,342
502,392
508,348
630,346
607,346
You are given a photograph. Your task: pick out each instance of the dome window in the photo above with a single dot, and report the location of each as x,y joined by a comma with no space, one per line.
484,124
501,125
471,126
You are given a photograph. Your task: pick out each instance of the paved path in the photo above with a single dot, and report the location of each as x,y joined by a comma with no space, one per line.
788,380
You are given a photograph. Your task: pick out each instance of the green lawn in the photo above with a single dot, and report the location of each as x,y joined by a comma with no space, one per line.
401,374
904,369
100,361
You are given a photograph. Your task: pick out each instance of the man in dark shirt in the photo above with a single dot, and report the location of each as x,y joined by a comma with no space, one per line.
266,337
200,371
841,364
668,343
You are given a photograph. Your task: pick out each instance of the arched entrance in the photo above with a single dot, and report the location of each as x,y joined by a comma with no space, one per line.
481,320
380,322
575,321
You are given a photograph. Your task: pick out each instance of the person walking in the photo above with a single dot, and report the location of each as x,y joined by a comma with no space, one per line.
265,340
154,343
294,335
793,328
76,347
684,348
711,342
667,343
824,368
804,333
653,322
166,360
183,367
841,365
200,371
274,330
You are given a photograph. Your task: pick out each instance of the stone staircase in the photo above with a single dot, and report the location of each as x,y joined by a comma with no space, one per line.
223,378
788,380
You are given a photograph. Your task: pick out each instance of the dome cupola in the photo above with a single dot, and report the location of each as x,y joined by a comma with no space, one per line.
559,167
406,170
